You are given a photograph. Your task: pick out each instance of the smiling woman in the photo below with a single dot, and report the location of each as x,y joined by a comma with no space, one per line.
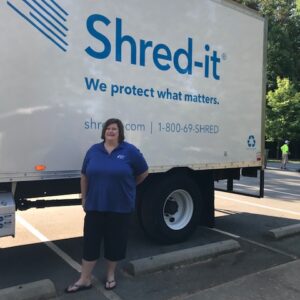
110,172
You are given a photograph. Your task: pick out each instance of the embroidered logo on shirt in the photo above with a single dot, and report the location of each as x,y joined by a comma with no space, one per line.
121,156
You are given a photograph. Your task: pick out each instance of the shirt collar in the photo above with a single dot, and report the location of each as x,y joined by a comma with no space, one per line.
120,146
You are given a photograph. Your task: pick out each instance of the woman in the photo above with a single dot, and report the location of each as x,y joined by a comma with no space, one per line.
110,172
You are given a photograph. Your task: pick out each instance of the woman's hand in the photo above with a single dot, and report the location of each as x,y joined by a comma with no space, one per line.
139,179
83,187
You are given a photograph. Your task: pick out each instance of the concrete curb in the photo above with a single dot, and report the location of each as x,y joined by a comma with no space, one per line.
283,232
38,290
180,257
277,283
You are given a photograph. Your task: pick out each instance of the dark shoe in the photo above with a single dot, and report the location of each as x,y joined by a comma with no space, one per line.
110,285
77,288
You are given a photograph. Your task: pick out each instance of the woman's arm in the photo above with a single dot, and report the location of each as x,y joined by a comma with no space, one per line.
83,188
139,179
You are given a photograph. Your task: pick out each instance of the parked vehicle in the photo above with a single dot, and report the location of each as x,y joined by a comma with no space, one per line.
186,77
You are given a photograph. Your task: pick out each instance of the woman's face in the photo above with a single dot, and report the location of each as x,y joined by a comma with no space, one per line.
112,133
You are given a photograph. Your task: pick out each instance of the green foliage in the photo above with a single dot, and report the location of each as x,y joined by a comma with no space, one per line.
283,61
283,112
284,47
283,38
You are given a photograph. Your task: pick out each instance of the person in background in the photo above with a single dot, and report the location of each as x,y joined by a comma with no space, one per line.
110,172
285,154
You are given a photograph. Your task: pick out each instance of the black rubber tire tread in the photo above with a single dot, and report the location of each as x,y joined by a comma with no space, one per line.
151,208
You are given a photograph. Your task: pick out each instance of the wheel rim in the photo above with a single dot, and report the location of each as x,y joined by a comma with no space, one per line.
178,209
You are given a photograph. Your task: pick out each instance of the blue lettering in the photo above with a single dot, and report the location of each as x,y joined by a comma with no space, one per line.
189,56
121,39
143,47
215,59
162,94
206,64
157,56
91,83
95,84
162,56
91,124
99,36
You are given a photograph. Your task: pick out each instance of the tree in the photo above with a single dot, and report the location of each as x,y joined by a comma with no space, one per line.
283,51
283,61
283,112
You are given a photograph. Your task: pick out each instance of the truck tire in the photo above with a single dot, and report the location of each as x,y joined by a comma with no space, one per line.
170,208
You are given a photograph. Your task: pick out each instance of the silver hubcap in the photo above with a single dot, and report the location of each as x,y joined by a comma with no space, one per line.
178,209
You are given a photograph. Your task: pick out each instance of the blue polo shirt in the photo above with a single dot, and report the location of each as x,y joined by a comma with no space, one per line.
112,177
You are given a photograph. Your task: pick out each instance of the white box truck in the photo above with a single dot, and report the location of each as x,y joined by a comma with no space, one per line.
186,78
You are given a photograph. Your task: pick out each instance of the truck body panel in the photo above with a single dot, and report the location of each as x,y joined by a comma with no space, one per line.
186,79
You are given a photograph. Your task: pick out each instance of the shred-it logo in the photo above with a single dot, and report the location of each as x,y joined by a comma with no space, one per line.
47,16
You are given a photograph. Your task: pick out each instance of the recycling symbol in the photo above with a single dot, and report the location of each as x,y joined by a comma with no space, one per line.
251,141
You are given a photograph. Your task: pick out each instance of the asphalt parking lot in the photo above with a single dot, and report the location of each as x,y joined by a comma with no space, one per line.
48,244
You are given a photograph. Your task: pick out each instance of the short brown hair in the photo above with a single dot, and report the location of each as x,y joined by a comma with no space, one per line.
120,127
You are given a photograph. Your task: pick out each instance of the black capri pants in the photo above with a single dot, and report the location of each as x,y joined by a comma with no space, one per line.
109,227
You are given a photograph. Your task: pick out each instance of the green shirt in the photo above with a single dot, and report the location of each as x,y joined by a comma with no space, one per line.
284,149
